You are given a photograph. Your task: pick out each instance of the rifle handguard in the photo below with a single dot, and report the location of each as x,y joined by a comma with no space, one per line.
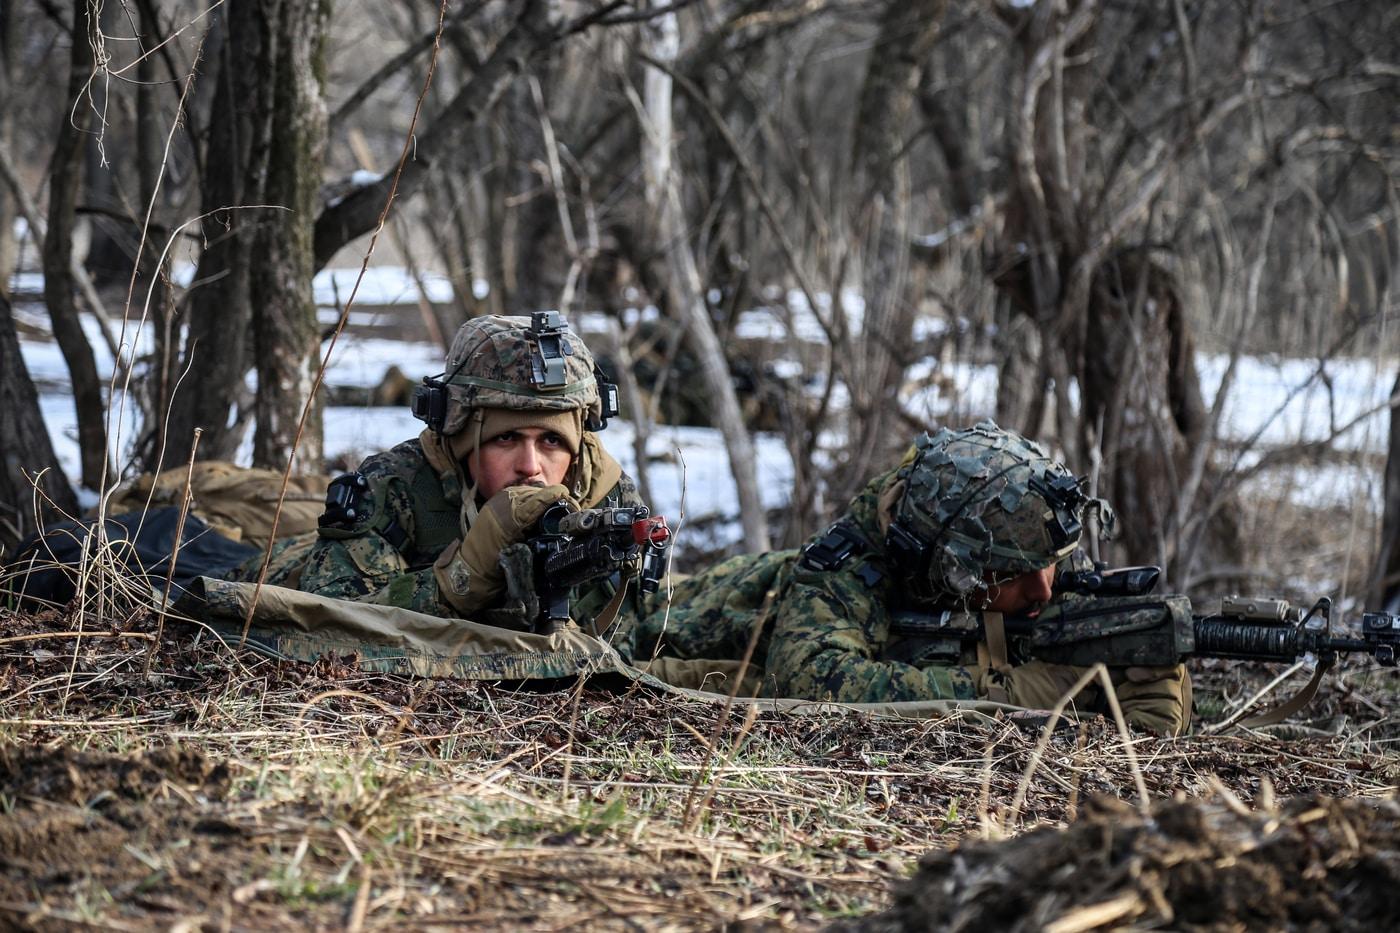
576,547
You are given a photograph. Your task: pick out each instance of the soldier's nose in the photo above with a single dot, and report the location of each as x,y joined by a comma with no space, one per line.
528,461
1038,585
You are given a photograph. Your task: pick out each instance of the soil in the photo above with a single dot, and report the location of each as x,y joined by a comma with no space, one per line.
1317,863
86,828
170,825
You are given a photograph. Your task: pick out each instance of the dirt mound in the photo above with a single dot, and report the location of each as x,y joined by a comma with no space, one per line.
1318,863
65,776
93,828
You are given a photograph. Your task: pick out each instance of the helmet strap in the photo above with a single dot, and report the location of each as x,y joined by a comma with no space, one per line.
469,509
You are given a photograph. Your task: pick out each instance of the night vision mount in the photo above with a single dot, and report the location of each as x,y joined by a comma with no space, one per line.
1062,493
547,371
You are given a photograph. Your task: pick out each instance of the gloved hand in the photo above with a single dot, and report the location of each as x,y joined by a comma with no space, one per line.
468,572
1155,698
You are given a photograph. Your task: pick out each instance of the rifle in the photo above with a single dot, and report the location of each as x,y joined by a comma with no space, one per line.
571,548
1110,616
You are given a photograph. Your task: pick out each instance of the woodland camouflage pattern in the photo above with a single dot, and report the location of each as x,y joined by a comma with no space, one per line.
827,634
407,515
988,500
839,633
388,523
491,365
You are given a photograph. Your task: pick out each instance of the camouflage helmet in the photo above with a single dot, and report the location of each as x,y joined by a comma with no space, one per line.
986,500
518,363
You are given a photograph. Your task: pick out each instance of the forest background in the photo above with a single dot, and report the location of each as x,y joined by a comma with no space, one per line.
1117,208
1159,236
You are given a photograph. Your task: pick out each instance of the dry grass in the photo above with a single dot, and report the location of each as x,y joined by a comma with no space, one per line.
321,795
225,789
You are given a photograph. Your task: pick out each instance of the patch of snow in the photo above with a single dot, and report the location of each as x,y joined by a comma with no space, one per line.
786,369
631,317
330,316
27,283
927,328
381,285
1266,399
363,361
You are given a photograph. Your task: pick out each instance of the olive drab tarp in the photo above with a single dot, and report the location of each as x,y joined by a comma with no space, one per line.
305,627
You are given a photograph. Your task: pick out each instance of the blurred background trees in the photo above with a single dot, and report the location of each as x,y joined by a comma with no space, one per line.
1086,195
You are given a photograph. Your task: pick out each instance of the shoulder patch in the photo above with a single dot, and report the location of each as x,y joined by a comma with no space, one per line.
349,506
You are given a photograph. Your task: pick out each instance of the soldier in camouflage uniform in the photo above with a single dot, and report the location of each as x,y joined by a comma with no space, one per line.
972,521
437,524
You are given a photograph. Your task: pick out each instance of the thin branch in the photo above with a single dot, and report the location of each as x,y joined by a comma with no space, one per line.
396,64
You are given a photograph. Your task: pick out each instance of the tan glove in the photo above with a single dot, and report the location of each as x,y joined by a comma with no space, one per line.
1038,685
468,572
1155,698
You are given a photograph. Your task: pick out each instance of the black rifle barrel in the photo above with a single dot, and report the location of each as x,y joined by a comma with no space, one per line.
1252,641
1227,638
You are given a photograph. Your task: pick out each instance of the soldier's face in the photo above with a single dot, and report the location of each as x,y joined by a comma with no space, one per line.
1022,595
521,457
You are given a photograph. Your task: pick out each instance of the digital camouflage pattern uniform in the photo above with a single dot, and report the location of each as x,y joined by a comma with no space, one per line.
846,618
390,521
829,634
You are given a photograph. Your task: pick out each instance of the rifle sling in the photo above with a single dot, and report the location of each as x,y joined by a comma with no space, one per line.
994,644
609,613
1300,700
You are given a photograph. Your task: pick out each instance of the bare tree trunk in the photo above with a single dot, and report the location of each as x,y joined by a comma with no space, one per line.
262,173
1020,382
155,389
65,178
217,348
284,310
25,448
1385,578
535,247
880,227
9,49
1109,311
685,288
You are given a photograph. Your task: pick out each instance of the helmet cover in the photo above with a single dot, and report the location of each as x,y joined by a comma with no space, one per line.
519,363
988,501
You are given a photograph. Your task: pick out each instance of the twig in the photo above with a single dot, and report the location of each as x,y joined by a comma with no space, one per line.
1048,730
41,636
569,742
690,818
185,499
1268,688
